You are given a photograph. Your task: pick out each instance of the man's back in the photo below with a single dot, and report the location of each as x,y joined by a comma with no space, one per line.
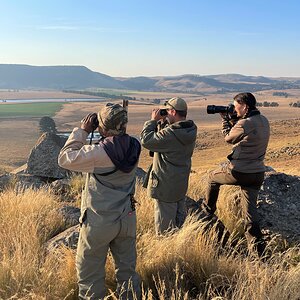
173,147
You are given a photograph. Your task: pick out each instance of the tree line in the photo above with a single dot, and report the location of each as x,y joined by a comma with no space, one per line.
99,94
295,104
267,104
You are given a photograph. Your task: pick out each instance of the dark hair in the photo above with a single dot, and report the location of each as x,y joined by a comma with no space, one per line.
246,98
181,113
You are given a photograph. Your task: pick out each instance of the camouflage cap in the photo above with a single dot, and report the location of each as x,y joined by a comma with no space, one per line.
113,119
177,104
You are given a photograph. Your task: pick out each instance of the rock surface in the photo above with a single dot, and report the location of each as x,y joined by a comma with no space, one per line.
67,238
5,181
279,205
42,160
27,181
71,215
60,187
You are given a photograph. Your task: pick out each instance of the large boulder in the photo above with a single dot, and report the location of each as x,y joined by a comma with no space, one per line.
279,205
27,181
68,238
70,214
62,188
42,160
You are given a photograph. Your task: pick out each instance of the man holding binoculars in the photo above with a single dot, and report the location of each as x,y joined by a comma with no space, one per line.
108,218
173,147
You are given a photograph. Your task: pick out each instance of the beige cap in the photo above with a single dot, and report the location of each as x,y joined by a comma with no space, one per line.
113,119
177,104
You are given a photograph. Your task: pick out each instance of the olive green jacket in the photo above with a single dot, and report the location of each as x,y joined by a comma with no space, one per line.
173,147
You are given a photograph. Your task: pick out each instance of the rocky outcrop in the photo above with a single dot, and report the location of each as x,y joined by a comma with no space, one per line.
62,188
5,180
42,160
67,238
26,181
70,214
279,205
20,170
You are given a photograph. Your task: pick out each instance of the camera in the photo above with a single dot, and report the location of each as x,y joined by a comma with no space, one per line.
95,123
163,112
214,109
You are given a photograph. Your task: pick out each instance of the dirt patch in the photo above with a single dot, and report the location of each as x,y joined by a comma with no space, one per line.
17,137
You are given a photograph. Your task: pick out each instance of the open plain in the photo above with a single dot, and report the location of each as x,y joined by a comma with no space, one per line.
19,134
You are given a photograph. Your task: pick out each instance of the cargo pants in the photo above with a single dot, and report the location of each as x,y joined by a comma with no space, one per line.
168,215
95,239
250,184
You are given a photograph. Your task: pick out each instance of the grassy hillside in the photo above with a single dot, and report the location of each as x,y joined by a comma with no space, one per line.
186,265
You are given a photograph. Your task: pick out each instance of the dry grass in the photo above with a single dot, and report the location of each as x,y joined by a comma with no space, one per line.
26,221
187,264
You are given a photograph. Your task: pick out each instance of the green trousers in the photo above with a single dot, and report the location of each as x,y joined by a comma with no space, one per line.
96,238
169,215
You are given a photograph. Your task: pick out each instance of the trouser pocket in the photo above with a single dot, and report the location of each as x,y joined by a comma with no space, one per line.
128,225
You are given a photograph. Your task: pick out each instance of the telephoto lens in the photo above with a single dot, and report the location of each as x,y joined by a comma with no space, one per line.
163,112
214,109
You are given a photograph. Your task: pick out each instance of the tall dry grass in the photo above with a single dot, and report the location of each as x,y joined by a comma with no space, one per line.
27,221
187,264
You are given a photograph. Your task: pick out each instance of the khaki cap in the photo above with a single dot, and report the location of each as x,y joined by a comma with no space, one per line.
113,119
177,104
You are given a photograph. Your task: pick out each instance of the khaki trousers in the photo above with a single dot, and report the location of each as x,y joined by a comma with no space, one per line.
95,239
169,215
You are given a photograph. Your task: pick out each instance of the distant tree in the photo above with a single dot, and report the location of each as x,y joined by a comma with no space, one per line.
297,104
47,124
156,101
266,104
274,104
281,94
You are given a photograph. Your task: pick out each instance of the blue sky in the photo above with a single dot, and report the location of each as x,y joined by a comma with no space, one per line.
133,38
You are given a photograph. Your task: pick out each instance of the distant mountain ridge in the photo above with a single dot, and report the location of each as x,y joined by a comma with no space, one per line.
17,76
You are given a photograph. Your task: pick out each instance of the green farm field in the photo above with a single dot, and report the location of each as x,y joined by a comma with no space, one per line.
29,110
